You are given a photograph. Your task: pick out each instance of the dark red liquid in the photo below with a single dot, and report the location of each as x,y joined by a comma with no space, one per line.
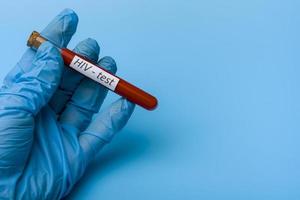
123,88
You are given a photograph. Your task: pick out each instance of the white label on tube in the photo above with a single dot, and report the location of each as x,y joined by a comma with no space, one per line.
94,72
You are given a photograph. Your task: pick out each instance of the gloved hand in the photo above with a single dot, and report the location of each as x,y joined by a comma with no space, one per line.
47,134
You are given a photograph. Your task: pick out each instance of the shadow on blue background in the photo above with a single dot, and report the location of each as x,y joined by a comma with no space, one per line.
131,149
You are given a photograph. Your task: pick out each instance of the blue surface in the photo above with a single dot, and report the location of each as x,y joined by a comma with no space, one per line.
227,77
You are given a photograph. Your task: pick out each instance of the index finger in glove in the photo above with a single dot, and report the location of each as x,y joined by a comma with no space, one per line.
59,31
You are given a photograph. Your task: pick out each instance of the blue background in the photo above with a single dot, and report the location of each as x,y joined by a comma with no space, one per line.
226,74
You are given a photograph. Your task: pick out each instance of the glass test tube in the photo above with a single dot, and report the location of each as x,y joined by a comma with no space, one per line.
98,74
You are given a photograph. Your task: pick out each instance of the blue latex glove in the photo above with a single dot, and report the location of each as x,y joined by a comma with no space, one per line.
47,134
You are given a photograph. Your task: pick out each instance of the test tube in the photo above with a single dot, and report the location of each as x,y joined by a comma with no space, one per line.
99,74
